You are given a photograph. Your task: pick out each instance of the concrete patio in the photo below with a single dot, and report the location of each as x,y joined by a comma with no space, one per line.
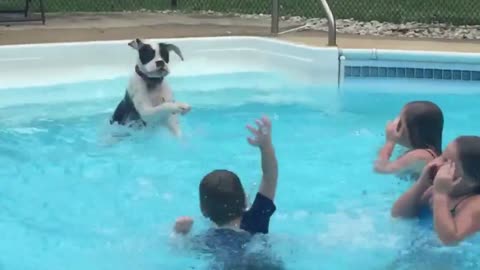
115,26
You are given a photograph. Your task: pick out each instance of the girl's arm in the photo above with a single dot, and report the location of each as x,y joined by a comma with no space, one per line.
406,162
386,152
410,203
452,230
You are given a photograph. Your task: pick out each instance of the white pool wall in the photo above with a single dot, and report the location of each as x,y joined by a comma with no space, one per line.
55,63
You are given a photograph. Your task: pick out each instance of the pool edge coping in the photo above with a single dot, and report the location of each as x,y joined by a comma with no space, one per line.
351,53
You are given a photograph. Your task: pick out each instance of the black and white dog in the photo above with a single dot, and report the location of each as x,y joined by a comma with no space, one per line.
148,99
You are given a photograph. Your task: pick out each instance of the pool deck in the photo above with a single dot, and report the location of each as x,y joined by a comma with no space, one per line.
86,27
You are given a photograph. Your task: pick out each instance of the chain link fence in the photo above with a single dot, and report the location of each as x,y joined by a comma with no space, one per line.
456,12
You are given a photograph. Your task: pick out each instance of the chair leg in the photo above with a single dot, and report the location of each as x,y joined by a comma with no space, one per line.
42,11
27,7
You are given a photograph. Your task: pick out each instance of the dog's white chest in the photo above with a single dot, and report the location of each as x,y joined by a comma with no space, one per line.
160,94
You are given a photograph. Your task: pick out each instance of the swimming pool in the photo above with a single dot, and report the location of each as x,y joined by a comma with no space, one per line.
70,199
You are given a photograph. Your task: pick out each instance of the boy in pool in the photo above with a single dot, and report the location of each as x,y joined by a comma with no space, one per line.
419,128
223,201
450,185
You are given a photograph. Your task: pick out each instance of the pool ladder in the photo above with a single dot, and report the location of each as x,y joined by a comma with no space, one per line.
332,27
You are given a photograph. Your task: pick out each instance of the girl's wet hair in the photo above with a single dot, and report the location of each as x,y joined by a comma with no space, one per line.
424,121
469,155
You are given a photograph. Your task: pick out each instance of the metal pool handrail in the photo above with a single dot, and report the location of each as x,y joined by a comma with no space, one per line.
332,25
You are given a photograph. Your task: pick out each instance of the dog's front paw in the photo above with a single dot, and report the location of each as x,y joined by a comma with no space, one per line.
182,108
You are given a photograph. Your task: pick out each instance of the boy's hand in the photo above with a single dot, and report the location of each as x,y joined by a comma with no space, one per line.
183,225
262,135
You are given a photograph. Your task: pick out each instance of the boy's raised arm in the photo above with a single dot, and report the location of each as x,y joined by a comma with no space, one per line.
262,138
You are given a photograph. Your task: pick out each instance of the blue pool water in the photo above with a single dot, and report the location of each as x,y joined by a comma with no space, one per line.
71,200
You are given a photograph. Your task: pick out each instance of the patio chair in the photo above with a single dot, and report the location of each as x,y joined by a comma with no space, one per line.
9,15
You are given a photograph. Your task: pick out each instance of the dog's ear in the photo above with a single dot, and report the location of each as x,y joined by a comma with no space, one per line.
136,43
167,48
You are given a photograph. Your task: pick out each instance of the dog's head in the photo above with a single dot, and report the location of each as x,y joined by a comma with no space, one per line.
153,58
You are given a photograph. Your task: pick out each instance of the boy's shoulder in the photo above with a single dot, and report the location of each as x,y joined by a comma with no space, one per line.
257,218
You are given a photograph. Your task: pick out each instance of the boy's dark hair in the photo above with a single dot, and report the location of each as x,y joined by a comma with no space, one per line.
424,120
469,155
222,198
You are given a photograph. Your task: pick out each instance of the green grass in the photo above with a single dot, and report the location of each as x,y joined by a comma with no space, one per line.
448,11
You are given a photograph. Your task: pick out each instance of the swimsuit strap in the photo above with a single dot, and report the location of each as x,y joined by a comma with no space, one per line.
454,208
431,152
